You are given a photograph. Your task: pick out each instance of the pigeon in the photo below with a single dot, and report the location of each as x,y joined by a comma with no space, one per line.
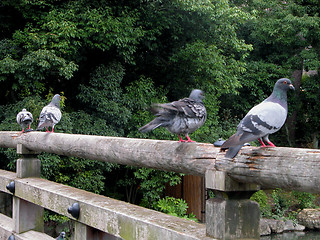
61,236
24,119
263,119
179,117
50,115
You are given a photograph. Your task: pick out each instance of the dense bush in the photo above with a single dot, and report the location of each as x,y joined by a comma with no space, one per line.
281,204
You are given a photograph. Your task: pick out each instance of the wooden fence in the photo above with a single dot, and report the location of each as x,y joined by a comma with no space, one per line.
230,215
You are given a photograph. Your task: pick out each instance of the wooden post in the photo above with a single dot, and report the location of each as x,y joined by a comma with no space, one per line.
26,215
231,214
6,204
84,232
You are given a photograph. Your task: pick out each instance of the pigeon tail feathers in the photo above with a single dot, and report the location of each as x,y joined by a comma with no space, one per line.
155,123
233,151
232,141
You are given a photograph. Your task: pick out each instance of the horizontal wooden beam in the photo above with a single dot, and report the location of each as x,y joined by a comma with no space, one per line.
188,158
5,178
7,229
287,168
115,217
280,167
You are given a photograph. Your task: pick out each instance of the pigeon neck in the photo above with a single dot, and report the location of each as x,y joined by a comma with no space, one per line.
56,104
278,95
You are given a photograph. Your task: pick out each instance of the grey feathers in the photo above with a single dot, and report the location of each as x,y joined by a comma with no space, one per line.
50,114
61,236
263,119
179,117
24,119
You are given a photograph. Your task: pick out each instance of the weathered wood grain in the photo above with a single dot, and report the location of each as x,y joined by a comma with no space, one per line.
116,217
287,168
7,225
189,158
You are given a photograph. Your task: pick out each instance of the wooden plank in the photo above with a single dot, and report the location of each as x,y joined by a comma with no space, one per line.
108,215
189,158
194,194
7,229
32,235
6,226
5,178
286,168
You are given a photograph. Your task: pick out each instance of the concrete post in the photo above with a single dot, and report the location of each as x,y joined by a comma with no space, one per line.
231,214
83,232
6,204
80,231
26,215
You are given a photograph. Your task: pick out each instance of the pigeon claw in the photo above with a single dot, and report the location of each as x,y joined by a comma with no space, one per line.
180,139
189,140
271,144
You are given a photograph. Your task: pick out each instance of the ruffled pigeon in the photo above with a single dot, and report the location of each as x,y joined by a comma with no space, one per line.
179,117
24,119
50,115
263,119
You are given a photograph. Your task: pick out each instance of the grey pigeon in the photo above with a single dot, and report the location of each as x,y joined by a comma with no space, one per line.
24,119
61,236
263,119
179,117
50,115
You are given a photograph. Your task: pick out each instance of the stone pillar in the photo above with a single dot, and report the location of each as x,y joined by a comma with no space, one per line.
26,215
231,214
6,204
80,231
83,232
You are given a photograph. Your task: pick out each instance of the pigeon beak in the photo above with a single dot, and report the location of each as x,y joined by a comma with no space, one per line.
291,87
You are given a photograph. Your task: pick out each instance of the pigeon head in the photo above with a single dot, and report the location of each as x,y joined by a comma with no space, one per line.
279,93
197,95
56,100
284,84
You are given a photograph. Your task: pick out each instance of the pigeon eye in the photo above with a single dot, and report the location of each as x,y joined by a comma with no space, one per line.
285,82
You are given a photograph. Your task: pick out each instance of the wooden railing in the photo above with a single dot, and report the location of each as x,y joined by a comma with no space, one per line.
233,181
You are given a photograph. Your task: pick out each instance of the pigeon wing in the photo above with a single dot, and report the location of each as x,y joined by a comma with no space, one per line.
265,118
187,107
49,116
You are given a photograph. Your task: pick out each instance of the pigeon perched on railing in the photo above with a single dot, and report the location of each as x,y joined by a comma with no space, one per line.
263,119
24,119
179,117
50,115
61,236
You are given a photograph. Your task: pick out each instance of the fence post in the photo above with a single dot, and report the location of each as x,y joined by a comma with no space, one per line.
26,215
231,214
84,232
5,204
80,231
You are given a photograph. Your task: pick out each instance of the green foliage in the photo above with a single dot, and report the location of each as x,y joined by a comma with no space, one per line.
53,219
175,207
103,97
280,204
304,200
152,184
308,120
262,198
